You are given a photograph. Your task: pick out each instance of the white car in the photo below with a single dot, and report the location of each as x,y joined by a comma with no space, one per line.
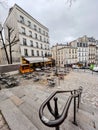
75,67
95,69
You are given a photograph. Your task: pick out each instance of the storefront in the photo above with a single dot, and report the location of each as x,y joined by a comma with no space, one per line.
37,61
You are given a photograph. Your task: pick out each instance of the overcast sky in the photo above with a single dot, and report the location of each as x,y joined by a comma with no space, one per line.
65,23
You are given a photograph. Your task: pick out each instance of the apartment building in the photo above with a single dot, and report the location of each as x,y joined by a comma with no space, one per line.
64,54
86,49
92,50
96,59
54,50
67,56
33,36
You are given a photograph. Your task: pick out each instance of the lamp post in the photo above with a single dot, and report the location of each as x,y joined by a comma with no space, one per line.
1,28
43,61
56,71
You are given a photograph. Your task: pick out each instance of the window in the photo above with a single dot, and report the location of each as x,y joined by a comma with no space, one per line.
24,42
41,46
32,52
21,19
37,44
25,52
44,39
47,41
35,27
37,53
40,38
41,53
44,32
83,44
78,44
29,24
23,30
39,30
31,42
35,36
30,33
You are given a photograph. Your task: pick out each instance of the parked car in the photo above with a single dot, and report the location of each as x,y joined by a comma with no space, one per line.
95,69
75,66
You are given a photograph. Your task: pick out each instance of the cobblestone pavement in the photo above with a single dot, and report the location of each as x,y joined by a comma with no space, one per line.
3,125
72,80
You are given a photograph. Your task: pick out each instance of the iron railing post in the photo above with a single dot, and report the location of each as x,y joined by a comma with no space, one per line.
79,97
56,111
78,101
74,121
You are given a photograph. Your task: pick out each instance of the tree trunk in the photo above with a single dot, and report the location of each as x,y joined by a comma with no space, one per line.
5,49
10,49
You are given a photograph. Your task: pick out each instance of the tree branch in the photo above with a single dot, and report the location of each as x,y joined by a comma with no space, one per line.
13,39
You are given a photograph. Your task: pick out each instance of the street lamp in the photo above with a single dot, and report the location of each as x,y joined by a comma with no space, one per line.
56,70
43,61
1,28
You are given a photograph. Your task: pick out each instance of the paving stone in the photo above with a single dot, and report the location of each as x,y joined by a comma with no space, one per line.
3,96
28,98
85,120
5,127
8,93
17,101
2,123
33,116
15,118
18,91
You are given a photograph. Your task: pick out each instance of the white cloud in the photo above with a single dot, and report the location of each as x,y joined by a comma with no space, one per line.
65,23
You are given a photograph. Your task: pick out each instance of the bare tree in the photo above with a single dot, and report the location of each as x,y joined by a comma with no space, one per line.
4,47
12,40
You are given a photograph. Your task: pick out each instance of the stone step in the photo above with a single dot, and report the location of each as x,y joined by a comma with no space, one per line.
85,120
15,118
35,104
91,113
68,125
33,115
34,108
89,109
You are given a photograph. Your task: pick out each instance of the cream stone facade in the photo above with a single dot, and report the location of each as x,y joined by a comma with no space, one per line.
96,61
54,52
33,36
64,55
86,49
67,56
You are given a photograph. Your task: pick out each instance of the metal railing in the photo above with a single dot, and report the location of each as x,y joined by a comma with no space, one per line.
59,118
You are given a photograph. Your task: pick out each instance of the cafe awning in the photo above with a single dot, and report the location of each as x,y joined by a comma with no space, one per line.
37,59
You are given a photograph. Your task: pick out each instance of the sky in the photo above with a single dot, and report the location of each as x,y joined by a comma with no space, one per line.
66,23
